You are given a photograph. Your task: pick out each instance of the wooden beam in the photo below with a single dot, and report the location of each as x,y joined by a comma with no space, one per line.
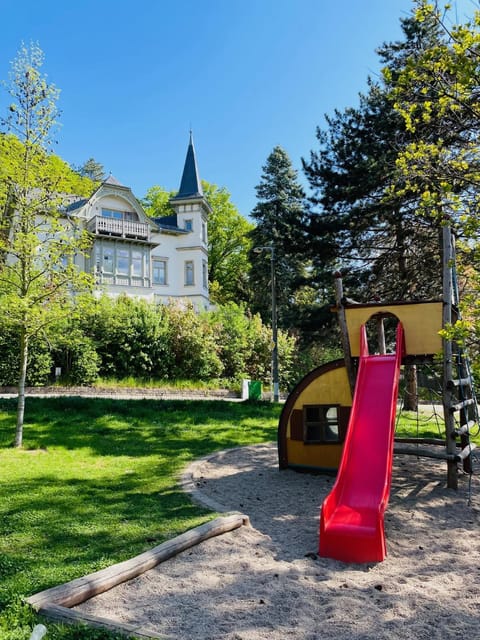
465,428
81,589
447,257
461,382
422,452
68,616
465,453
462,405
342,321
433,441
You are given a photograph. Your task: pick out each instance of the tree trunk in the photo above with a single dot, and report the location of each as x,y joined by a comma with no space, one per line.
410,402
21,387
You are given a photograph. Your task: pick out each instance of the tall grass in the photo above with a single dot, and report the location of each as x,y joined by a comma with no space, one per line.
152,383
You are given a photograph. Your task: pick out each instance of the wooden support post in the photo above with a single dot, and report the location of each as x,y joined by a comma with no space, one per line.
342,321
382,348
452,477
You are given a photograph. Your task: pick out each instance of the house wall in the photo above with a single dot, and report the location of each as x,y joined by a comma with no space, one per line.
173,247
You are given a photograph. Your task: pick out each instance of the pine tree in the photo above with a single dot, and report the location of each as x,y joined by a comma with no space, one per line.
363,219
92,169
280,217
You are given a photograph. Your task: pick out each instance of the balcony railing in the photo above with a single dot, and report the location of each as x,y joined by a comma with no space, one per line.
123,280
119,228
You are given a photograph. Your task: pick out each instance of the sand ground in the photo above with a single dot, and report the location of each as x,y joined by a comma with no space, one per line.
267,582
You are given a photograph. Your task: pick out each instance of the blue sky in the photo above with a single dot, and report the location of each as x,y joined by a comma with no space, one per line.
246,75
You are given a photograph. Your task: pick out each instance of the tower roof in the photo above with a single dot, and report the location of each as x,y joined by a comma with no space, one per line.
190,186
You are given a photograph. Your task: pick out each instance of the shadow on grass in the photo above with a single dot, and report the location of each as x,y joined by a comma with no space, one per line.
55,530
96,482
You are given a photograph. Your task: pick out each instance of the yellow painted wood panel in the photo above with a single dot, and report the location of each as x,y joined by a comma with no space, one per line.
314,455
421,324
330,388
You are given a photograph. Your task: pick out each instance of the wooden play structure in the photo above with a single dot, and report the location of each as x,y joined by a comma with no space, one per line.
314,420
341,416
315,417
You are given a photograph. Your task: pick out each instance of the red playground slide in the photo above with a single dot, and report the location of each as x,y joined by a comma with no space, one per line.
351,521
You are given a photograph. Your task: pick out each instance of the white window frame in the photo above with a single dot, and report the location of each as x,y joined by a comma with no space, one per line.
124,253
115,253
205,274
114,214
156,262
189,273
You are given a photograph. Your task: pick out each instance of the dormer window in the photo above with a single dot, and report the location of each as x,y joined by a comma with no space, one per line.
111,213
128,216
188,225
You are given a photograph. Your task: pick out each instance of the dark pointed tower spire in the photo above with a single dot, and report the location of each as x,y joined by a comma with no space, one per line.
190,186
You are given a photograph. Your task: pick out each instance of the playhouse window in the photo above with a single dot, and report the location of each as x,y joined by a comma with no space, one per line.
320,423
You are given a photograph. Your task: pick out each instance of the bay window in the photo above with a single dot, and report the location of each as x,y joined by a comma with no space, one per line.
123,261
121,264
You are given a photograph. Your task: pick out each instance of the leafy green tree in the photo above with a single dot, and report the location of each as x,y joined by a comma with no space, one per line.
156,202
130,337
244,342
39,364
280,216
365,221
37,243
228,241
228,247
57,170
439,87
193,344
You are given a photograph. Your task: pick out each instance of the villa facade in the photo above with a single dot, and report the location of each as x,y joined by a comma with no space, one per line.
157,259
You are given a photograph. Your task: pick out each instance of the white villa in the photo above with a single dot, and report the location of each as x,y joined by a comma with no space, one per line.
157,259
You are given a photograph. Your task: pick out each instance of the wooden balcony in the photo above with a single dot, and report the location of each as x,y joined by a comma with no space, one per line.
119,228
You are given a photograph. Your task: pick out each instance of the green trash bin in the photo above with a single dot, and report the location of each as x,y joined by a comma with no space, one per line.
254,390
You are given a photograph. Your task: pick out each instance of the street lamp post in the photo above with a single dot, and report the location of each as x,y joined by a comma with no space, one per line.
275,385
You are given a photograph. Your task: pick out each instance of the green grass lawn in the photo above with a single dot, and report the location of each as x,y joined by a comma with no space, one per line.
96,483
427,423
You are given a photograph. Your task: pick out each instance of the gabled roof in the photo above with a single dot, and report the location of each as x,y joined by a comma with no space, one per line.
190,186
112,180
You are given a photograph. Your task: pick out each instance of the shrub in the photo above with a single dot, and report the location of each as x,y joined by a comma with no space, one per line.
39,358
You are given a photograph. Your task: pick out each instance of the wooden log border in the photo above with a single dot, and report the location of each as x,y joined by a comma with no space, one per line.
56,602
